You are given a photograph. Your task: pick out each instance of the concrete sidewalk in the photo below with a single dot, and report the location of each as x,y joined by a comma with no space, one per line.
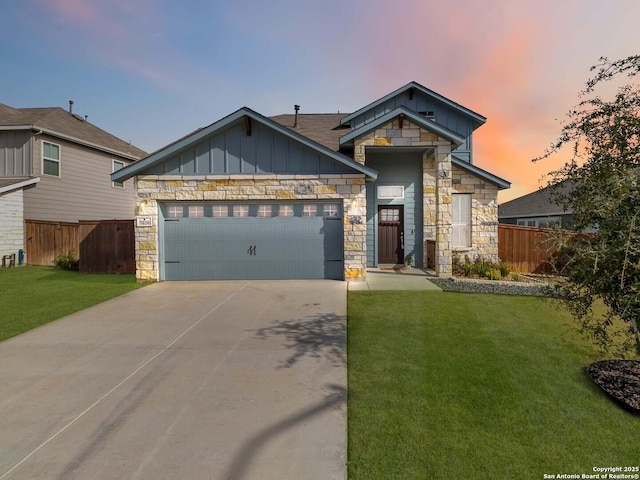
182,380
394,279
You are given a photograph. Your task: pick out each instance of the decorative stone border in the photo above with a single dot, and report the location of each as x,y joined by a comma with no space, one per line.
471,285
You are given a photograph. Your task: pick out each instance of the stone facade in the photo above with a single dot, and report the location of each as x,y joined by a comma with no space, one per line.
439,181
484,214
436,178
153,189
11,222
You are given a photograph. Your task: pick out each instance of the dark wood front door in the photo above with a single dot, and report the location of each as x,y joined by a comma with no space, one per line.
390,233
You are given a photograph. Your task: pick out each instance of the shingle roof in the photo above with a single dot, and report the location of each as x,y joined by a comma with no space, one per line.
323,128
537,203
56,120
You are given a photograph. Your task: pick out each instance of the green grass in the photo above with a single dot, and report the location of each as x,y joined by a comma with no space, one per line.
31,296
463,386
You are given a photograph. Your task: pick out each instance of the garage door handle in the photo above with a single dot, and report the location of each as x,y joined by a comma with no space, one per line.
252,250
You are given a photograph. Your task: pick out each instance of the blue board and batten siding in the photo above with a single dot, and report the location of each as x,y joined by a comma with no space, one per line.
396,168
232,151
422,104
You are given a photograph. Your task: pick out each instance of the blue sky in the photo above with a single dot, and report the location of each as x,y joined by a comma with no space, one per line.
150,71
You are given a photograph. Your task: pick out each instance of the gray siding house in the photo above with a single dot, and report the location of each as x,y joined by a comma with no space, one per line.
317,195
536,209
55,167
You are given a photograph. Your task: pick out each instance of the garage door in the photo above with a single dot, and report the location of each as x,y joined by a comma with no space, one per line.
259,241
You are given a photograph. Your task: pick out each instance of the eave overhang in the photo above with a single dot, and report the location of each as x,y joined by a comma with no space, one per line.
475,117
240,115
479,172
417,119
52,133
18,184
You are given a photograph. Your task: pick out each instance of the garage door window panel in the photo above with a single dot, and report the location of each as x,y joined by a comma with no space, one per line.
220,210
241,210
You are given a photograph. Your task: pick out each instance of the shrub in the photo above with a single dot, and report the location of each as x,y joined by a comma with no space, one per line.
493,274
67,261
504,268
481,267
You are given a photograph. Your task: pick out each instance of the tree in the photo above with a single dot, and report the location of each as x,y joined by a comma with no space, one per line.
604,173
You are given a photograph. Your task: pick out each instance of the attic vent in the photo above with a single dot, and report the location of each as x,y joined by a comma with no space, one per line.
429,114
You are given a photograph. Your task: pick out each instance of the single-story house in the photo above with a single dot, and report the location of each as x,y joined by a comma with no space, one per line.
536,209
317,195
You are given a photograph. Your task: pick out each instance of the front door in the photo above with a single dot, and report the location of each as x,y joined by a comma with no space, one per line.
390,234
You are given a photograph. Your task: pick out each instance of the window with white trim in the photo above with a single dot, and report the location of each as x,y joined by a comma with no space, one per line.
285,211
220,210
117,165
50,159
461,226
264,211
196,211
390,191
241,210
175,211
309,210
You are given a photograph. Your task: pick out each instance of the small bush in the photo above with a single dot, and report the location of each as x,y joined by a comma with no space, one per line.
504,268
67,261
482,267
493,274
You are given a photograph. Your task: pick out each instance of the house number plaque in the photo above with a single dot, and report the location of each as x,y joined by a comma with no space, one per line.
143,221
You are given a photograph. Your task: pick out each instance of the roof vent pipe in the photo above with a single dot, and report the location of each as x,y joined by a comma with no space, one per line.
71,107
295,120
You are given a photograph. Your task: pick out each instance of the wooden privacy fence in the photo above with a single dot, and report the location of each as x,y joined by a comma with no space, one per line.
102,246
44,241
525,248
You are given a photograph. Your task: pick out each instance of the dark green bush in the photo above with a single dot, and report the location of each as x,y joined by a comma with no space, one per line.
67,261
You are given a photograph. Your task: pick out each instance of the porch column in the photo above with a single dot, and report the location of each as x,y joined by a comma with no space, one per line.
444,213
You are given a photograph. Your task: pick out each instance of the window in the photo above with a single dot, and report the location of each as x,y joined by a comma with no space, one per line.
331,210
241,210
461,231
264,210
309,210
50,159
390,191
117,165
220,211
175,211
546,222
285,211
196,211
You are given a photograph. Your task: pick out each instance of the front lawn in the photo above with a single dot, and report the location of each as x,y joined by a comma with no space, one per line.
469,386
31,296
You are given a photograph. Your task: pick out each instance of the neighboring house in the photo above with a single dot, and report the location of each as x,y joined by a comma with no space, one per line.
536,209
55,167
317,195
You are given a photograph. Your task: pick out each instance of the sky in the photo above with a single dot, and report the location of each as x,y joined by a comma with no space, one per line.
151,71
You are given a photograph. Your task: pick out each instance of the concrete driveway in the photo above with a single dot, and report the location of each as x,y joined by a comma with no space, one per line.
185,380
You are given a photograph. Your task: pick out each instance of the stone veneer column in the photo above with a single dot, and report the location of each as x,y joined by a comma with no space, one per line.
429,203
444,213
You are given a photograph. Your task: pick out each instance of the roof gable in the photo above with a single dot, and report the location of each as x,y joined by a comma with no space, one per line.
60,123
405,96
244,142
419,120
480,173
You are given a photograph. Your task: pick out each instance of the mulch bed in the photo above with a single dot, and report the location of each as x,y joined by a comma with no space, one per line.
620,379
